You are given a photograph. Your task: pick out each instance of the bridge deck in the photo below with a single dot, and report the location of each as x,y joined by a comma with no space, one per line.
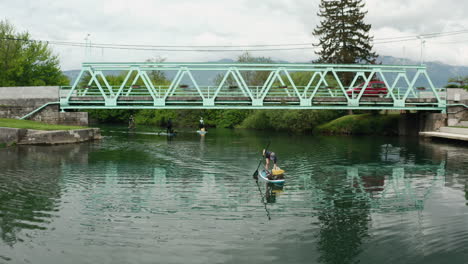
248,100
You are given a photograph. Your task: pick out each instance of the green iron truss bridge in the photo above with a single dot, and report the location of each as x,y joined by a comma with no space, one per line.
250,86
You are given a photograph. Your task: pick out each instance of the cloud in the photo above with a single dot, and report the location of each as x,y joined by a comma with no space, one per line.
223,22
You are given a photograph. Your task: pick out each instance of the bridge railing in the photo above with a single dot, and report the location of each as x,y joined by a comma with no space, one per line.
302,86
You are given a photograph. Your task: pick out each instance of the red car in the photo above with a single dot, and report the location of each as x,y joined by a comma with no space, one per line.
374,88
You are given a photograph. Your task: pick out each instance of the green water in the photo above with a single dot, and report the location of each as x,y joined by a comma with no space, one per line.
143,198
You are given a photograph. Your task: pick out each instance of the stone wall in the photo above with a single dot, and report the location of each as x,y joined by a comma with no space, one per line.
62,118
17,108
457,114
16,102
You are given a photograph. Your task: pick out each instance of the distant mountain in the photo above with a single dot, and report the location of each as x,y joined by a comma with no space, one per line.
438,72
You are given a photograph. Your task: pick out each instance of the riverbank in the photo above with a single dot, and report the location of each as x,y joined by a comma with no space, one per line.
362,124
278,120
13,131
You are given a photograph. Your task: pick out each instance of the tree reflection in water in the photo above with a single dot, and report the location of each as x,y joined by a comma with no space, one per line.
343,227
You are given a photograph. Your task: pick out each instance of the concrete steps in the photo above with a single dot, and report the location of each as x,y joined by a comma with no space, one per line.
454,130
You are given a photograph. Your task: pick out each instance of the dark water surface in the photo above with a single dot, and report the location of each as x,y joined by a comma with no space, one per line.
141,198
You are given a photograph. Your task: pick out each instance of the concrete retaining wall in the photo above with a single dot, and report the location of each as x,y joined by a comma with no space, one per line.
31,136
30,92
11,135
457,94
431,121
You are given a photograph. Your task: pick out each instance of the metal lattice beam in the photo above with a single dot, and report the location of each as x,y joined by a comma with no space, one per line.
279,90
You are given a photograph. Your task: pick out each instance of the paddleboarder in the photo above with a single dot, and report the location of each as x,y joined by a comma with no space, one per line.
169,126
202,124
270,155
131,123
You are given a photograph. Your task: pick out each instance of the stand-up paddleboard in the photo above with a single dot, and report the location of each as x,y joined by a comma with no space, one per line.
147,133
202,132
264,175
166,134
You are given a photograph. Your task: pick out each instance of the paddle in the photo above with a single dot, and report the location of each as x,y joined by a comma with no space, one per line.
255,175
263,200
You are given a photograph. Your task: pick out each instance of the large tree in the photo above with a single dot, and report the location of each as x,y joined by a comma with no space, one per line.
343,35
24,62
252,78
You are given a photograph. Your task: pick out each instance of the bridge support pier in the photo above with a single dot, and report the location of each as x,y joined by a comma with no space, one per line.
429,121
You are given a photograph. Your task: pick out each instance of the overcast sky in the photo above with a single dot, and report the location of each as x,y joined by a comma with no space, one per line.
233,22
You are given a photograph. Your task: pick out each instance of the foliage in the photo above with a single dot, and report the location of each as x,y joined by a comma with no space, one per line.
460,80
343,35
24,62
252,78
189,118
289,120
362,124
303,78
28,124
111,115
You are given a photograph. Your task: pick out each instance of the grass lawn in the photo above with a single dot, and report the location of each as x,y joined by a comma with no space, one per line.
15,123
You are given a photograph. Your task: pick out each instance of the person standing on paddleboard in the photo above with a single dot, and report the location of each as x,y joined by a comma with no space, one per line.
202,124
131,123
269,155
169,126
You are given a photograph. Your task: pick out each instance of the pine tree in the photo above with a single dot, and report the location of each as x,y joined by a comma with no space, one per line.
344,37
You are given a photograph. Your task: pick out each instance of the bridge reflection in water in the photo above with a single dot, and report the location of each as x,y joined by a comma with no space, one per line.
370,184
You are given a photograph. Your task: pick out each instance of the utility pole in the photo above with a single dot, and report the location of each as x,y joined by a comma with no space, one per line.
423,41
87,47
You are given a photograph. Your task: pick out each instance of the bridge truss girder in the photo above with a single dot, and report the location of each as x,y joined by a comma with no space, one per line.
280,90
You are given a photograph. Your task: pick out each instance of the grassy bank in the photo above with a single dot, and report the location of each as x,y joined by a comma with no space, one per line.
363,124
27,124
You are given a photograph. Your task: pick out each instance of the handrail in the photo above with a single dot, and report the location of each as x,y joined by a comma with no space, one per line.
464,105
38,109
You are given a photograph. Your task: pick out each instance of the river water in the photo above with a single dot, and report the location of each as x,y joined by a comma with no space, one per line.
144,198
